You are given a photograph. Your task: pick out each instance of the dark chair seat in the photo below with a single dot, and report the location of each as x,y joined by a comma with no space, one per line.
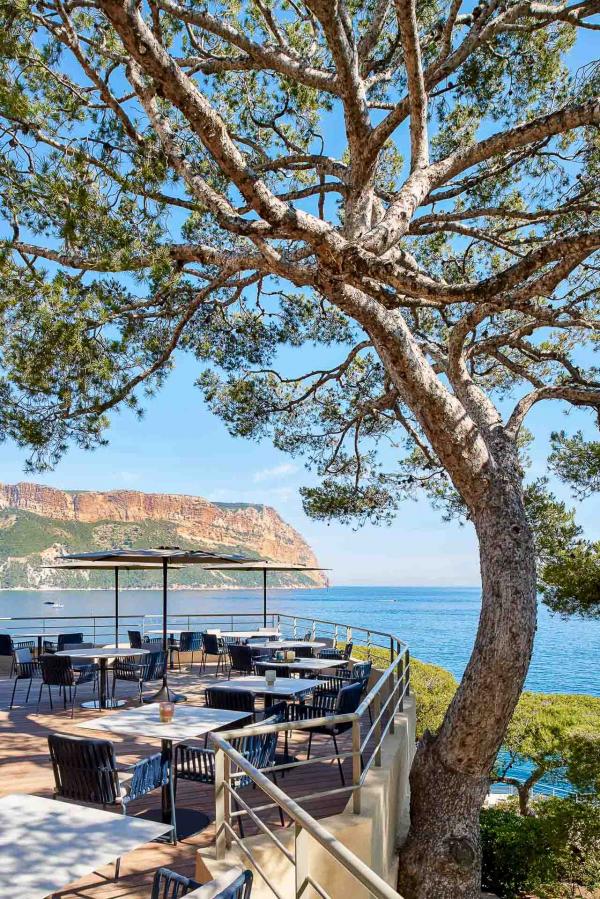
152,667
25,667
213,645
58,671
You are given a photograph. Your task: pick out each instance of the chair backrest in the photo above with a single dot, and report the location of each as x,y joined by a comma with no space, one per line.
240,888
135,639
261,667
211,644
259,749
23,656
70,639
57,671
348,699
304,652
169,885
348,650
157,665
84,770
240,657
234,700
362,672
307,635
6,645
190,641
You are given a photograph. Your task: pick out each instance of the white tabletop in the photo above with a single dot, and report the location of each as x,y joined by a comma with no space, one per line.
170,630
188,722
46,845
244,635
289,644
102,652
306,664
284,686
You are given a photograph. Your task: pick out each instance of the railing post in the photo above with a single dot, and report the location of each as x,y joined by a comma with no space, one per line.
391,650
295,627
407,671
348,635
356,766
300,862
377,713
222,803
369,645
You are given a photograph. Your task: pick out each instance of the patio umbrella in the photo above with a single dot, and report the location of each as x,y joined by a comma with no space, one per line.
110,566
265,567
166,556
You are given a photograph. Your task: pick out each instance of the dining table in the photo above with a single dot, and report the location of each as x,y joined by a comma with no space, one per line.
45,844
188,723
102,655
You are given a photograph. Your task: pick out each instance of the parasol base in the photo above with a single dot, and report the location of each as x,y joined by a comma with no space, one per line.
104,706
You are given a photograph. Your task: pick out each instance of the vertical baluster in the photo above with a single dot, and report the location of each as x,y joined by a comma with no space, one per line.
356,766
376,713
222,803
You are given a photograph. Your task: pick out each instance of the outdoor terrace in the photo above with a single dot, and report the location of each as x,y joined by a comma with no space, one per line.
25,765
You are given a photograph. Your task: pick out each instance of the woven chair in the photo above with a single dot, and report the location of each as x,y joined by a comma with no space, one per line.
86,772
151,668
62,641
324,704
233,700
260,667
135,639
213,645
169,885
57,671
7,649
335,653
25,667
198,765
189,641
241,658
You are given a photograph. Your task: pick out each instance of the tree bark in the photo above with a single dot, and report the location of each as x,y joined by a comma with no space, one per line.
441,858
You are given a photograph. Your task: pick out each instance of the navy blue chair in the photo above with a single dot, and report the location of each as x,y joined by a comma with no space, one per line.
152,667
233,700
198,765
189,641
240,888
58,671
324,704
25,668
135,639
169,885
213,645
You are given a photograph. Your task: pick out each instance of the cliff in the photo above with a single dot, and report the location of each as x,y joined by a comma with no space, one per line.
37,523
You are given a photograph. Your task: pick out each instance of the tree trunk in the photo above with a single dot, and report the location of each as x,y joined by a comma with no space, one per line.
441,858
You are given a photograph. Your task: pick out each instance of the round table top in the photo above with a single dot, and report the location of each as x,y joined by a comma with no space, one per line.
101,652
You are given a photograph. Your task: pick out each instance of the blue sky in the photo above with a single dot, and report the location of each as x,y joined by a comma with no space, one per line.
179,447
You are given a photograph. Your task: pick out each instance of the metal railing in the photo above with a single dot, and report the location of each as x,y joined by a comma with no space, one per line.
383,701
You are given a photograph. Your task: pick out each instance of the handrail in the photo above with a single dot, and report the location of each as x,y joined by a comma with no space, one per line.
350,862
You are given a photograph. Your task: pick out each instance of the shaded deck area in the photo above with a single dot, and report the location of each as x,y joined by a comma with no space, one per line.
25,768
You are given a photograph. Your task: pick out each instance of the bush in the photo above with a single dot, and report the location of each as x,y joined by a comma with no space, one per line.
549,854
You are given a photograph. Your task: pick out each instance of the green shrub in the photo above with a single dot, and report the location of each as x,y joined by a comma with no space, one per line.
549,854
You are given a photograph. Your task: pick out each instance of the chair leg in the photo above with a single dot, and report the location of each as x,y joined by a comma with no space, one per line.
339,761
173,809
310,736
50,698
37,711
281,818
74,697
28,690
12,698
239,817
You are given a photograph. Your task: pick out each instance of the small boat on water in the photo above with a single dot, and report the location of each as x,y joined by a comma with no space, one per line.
55,605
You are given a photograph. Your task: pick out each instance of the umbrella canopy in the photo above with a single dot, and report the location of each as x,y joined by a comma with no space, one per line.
73,565
266,566
165,555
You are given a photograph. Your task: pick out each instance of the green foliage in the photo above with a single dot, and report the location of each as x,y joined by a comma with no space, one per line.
568,565
559,735
432,686
576,462
551,854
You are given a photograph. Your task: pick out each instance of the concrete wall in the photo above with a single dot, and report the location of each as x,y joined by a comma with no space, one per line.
373,835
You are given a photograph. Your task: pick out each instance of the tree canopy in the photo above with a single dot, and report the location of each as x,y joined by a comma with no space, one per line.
559,735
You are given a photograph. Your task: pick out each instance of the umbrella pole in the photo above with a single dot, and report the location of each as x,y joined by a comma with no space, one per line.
264,597
164,694
117,607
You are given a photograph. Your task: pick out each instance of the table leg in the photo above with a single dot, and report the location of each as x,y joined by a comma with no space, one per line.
40,641
103,702
171,652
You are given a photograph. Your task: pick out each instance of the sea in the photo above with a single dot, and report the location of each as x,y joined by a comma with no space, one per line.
438,623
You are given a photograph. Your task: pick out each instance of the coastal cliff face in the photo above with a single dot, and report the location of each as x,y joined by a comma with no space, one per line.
74,520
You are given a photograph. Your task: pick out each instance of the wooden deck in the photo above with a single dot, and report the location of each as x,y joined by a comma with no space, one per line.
25,768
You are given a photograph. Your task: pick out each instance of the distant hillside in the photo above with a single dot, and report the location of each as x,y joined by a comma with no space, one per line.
39,523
